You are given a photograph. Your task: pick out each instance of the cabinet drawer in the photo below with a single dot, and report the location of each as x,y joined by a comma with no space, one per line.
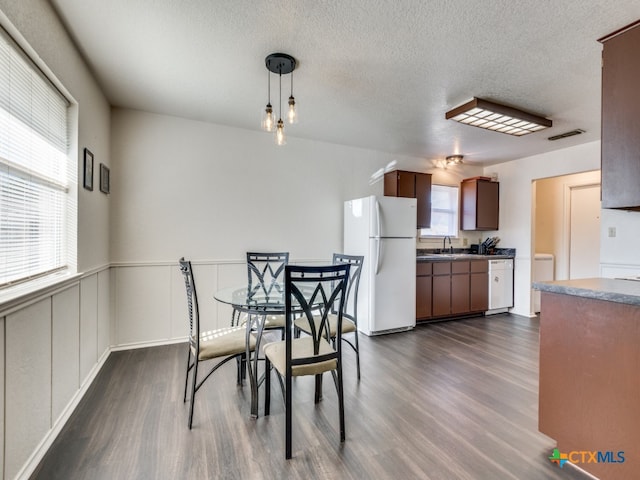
424,268
442,268
460,266
479,266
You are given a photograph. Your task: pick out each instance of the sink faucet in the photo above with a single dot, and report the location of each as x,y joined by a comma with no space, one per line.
444,241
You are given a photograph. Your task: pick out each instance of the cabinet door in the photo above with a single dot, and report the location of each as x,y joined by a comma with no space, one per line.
460,293
441,302
479,294
406,184
487,213
423,195
620,140
423,297
480,204
468,199
441,299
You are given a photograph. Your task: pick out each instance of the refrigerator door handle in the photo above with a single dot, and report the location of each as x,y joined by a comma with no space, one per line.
377,255
377,231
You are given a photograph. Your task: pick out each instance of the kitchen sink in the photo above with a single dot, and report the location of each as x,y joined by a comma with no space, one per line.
435,256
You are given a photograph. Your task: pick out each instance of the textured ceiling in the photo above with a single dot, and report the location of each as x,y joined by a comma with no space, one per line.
377,74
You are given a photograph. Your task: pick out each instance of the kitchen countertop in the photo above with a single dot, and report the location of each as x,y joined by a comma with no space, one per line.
448,257
607,289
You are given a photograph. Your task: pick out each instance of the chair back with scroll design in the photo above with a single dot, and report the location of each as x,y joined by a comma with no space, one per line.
265,273
313,292
350,314
265,281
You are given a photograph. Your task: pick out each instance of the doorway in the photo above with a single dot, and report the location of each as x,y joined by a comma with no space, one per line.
566,223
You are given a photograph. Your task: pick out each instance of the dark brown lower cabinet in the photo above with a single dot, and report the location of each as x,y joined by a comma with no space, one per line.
479,286
459,288
441,295
450,289
423,289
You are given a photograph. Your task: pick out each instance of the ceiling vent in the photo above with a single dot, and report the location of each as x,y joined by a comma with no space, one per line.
577,131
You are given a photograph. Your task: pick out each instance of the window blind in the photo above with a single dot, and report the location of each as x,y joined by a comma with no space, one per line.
34,170
444,212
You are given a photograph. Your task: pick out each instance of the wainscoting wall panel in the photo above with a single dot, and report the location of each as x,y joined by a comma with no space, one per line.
104,311
143,304
49,355
65,341
88,325
28,383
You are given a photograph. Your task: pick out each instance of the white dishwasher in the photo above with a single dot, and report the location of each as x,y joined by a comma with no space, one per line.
500,285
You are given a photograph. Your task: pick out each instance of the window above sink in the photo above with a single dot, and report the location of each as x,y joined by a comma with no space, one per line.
444,212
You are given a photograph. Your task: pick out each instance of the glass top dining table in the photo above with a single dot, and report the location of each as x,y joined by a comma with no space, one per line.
258,305
244,300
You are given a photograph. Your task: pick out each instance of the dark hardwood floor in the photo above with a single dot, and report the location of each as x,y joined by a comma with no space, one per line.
451,400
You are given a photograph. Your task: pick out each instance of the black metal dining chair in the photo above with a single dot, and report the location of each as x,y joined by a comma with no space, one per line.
350,315
265,278
310,291
224,344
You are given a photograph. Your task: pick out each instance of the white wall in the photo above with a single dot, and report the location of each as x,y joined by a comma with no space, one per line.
183,187
516,179
619,255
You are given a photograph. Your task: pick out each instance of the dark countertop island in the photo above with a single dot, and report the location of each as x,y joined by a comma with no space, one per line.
590,373
608,289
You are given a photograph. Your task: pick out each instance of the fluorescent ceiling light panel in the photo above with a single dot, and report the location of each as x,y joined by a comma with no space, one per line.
499,118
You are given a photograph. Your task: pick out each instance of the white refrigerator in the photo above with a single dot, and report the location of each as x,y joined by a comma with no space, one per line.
383,229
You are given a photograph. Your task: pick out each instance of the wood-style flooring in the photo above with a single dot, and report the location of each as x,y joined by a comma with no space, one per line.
450,400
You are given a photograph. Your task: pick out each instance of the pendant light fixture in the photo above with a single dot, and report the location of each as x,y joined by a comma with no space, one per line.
268,119
292,113
281,64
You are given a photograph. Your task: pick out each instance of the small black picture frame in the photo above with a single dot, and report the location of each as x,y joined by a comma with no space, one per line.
88,170
104,178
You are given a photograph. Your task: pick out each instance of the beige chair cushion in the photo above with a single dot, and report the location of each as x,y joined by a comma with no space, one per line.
347,325
272,321
300,348
224,342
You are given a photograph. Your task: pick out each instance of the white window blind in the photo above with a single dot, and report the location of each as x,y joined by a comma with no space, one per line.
35,171
444,212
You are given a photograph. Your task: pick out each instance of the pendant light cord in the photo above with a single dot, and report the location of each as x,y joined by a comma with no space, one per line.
280,95
269,87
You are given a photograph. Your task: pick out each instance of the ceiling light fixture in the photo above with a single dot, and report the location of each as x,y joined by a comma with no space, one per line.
454,159
280,64
499,118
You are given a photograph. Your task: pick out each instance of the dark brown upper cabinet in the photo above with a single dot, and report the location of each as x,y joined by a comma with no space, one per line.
620,159
480,201
400,183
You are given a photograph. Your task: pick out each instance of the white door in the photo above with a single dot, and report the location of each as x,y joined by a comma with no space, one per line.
584,246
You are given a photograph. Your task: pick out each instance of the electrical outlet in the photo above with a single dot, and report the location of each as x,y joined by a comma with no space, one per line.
464,242
612,232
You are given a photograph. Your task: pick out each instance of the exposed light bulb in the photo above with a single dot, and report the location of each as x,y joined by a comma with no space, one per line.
280,138
268,120
292,114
